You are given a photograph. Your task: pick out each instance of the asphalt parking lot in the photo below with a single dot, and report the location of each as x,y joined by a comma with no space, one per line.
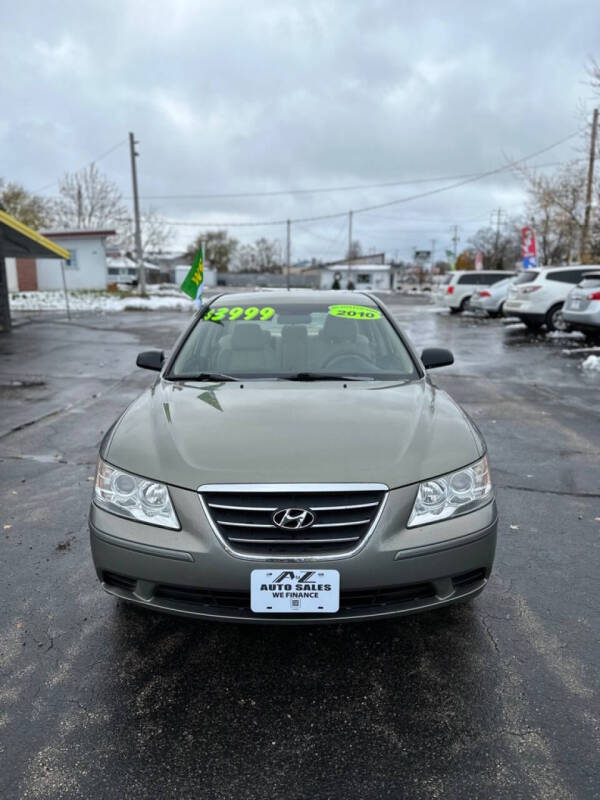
497,699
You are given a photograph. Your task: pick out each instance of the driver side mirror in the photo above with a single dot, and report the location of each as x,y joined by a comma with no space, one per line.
151,359
436,357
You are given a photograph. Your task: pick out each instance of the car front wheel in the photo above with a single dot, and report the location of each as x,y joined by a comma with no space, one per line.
555,320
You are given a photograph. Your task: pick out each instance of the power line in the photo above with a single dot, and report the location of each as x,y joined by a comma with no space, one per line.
323,190
474,177
93,161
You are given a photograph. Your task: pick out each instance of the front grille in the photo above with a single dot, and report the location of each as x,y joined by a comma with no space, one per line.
342,519
349,600
204,597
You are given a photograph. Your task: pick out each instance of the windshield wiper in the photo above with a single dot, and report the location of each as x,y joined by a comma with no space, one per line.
204,376
321,376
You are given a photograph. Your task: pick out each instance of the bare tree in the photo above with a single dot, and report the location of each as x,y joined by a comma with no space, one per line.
31,209
156,234
499,251
355,251
88,199
220,249
556,205
266,254
246,258
593,71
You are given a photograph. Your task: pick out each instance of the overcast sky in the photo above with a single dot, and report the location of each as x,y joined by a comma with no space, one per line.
230,97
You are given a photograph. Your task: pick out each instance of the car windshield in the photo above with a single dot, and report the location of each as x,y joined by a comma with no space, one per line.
293,341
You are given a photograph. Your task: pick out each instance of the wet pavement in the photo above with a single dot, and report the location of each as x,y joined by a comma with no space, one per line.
497,699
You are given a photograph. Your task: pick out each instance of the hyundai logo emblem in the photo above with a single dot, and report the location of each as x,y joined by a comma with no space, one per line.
293,518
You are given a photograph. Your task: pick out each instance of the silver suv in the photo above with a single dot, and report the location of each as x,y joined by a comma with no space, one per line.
293,463
581,310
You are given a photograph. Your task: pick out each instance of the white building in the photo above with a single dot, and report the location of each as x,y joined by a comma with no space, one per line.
364,276
86,268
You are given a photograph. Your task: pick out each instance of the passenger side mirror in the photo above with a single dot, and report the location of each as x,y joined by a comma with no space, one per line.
151,359
436,357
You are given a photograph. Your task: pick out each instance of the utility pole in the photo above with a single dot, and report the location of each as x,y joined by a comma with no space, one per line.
288,250
455,239
204,262
79,209
350,215
497,238
433,241
585,233
136,215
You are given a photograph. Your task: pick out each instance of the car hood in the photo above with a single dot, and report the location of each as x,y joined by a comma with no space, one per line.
276,432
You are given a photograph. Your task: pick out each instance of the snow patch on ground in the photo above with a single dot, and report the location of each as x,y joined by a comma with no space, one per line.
160,298
565,335
592,363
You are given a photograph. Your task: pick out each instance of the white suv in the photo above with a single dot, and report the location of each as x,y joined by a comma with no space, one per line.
459,286
537,295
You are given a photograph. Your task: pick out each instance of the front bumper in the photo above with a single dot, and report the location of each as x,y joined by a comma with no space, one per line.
398,571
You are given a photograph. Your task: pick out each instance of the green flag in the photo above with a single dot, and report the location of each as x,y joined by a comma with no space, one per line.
450,259
194,280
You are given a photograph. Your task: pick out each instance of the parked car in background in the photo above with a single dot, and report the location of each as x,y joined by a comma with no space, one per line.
582,306
491,299
463,285
538,295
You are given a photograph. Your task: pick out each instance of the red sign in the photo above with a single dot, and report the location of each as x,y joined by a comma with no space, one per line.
528,247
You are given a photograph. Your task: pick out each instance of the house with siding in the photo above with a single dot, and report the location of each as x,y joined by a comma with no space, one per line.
86,269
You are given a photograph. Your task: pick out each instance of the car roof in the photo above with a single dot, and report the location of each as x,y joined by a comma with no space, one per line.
507,272
295,297
562,267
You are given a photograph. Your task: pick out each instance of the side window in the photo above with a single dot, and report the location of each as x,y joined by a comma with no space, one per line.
469,280
71,263
566,276
490,280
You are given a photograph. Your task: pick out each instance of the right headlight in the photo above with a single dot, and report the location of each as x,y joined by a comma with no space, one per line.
132,496
449,495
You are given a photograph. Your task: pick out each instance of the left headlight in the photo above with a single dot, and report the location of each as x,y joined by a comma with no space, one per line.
453,494
136,498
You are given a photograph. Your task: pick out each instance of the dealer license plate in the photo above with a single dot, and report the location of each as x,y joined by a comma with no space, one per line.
298,591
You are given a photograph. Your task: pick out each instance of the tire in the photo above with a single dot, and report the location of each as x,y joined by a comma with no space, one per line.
455,310
501,309
464,303
554,319
534,326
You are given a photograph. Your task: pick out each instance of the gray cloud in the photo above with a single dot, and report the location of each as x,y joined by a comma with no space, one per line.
237,96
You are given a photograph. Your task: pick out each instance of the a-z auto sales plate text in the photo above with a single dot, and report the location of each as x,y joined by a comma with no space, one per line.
303,591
